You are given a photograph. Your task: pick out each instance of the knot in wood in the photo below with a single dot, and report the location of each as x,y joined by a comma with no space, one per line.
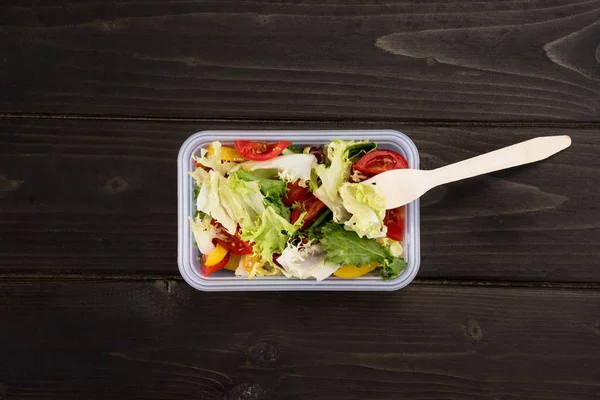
596,327
264,19
263,353
245,391
474,331
115,185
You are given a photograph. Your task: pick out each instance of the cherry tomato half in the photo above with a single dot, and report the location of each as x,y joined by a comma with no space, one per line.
232,243
207,270
394,220
374,163
379,161
235,245
295,193
312,206
260,151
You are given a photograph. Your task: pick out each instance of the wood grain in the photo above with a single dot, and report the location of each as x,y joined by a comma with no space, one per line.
163,340
458,60
99,197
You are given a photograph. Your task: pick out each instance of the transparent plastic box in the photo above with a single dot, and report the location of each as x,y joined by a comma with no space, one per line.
224,280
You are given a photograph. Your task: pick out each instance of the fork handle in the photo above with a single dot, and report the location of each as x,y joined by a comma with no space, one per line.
518,154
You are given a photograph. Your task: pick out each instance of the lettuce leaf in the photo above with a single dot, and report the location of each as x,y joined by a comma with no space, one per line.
337,172
272,190
334,175
204,233
271,235
306,260
392,269
243,201
209,201
289,168
366,203
214,160
340,214
199,175
346,247
359,149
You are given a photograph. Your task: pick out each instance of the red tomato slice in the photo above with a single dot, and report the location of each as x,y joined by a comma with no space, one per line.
232,243
394,220
295,193
213,268
379,161
235,245
312,206
260,151
374,163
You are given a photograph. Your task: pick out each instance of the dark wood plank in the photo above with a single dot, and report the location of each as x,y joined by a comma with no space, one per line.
165,341
98,197
459,60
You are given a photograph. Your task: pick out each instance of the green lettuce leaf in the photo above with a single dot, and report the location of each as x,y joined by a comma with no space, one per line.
392,269
334,175
346,247
271,235
337,172
243,201
357,150
210,201
366,203
272,190
289,168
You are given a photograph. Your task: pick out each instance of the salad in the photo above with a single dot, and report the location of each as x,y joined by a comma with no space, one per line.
265,209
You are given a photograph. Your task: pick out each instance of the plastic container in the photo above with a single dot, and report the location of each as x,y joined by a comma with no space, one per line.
224,280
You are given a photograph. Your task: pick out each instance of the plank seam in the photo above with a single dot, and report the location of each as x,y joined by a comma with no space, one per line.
417,122
71,277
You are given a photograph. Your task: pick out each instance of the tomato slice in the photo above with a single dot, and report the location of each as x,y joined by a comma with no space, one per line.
235,245
295,193
378,161
394,220
312,206
232,243
260,151
207,270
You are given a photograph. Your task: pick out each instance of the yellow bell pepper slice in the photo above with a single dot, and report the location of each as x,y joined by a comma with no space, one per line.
227,153
249,260
352,271
215,256
234,262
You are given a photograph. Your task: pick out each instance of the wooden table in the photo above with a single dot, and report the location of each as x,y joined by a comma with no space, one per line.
96,98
